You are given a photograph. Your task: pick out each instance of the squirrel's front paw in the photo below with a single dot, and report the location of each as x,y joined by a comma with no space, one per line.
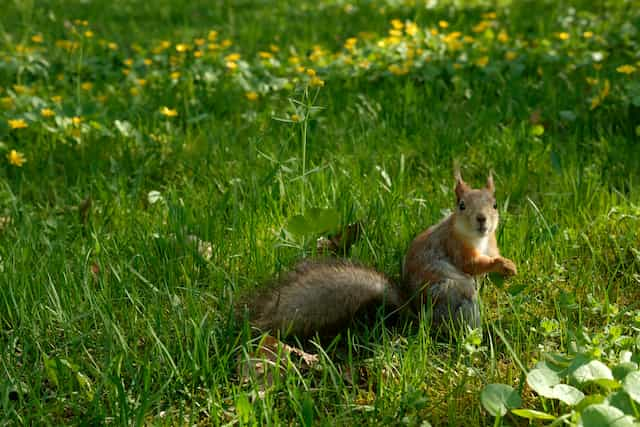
507,267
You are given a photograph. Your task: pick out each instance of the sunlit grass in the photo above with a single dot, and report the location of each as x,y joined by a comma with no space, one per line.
151,157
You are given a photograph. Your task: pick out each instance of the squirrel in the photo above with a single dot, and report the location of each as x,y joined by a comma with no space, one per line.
439,270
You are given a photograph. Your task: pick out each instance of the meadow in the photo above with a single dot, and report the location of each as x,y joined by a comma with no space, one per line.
160,160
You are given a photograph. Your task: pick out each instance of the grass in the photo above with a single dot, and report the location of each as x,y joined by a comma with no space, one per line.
109,313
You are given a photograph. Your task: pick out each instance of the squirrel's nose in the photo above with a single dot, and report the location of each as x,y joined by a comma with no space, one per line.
481,218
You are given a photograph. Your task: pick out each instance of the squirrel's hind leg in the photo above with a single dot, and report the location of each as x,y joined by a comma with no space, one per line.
455,303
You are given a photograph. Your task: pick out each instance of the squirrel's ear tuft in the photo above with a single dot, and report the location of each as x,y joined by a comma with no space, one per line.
490,185
461,186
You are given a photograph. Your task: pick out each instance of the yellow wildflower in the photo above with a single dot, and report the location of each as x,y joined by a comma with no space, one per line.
181,47
175,75
563,36
147,61
6,101
232,57
231,65
126,72
311,72
397,24
19,89
128,62
134,91
411,29
265,55
350,43
199,42
443,24
481,27
510,55
76,120
88,34
316,81
482,62
57,99
295,118
17,124
47,112
587,34
503,36
168,112
16,158
37,38
198,54
592,81
251,96
112,46
212,35
86,86
489,15
626,69
274,48
226,43
434,31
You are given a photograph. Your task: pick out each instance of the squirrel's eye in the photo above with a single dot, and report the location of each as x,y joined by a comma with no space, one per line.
461,205
495,205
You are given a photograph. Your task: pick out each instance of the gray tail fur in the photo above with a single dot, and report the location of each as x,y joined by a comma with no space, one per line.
321,297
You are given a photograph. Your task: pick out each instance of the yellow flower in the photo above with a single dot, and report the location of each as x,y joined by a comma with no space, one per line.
350,43
147,61
563,36
510,55
265,55
86,86
16,158
626,69
397,24
587,34
592,81
57,99
251,96
112,46
175,75
197,54
311,72
232,57
76,120
6,101
19,89
168,112
443,24
231,65
411,29
17,124
503,36
47,112
199,42
482,62
212,35
226,43
274,48
316,81
88,34
181,47
489,15
142,82
134,91
37,38
295,118
128,62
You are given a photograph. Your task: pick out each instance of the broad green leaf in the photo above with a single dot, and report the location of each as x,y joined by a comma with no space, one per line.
621,370
498,399
607,384
631,385
298,225
602,415
532,414
591,399
621,400
541,380
567,394
591,371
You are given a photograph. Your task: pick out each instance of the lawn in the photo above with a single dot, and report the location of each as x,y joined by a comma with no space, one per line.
160,161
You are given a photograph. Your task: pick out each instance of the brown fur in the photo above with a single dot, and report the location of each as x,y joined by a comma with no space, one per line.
439,269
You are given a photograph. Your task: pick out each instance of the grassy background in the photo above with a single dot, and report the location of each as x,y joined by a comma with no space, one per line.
108,315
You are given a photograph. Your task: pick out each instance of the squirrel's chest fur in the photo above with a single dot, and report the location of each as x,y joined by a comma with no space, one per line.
436,254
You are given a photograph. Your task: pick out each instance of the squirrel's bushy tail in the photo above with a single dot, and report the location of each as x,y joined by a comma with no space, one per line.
321,296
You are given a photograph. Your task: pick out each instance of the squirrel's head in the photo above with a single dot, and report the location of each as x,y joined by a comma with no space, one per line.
476,212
